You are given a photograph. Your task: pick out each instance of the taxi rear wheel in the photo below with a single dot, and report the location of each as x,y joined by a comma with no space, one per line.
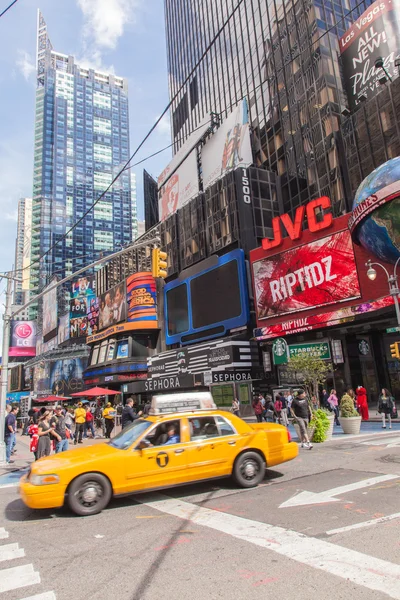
88,494
249,469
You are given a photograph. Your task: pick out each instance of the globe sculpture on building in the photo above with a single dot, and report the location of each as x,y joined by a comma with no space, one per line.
375,223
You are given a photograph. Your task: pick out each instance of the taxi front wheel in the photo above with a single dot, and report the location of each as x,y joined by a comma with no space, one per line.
249,469
88,494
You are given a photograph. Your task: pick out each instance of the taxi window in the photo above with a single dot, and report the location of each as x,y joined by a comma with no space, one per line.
202,428
225,427
159,435
130,434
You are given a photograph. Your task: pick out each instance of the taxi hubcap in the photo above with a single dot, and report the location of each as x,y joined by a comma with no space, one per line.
90,493
249,469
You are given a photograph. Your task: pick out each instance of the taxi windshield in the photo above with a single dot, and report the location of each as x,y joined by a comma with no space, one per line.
130,434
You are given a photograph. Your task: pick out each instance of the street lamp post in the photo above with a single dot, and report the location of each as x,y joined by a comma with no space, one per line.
392,281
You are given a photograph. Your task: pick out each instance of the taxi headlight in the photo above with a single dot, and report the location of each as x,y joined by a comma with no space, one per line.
43,479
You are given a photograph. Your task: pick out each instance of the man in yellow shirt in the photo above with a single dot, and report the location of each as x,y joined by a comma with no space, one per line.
80,420
109,414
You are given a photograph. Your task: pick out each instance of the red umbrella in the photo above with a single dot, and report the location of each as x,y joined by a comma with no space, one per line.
96,391
53,399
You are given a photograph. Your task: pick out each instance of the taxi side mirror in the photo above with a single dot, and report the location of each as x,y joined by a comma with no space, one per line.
142,445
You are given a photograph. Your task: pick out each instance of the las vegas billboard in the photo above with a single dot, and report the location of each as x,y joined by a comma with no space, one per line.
376,34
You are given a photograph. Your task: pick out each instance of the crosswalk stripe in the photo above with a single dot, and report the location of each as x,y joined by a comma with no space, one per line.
18,577
370,572
10,551
3,533
44,596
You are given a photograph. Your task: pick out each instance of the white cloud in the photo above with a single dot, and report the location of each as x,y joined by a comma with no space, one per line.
164,126
105,20
25,64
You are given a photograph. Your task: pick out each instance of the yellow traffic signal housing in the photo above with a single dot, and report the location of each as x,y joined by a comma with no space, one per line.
394,350
159,263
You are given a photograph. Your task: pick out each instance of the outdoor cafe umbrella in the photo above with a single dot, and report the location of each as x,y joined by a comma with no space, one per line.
96,391
53,399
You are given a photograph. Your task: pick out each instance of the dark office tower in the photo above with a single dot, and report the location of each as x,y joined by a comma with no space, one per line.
81,141
283,57
150,200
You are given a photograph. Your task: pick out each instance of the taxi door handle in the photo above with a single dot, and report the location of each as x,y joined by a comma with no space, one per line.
180,451
232,443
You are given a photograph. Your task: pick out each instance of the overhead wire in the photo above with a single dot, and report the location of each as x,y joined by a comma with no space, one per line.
146,137
128,166
8,8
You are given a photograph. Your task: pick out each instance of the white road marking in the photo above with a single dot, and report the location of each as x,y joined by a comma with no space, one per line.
11,551
388,442
3,533
305,498
44,596
350,565
8,485
363,524
18,577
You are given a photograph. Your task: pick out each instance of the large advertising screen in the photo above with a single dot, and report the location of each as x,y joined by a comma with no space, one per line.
229,147
23,338
63,329
141,298
50,317
376,34
196,308
112,306
60,377
316,274
83,314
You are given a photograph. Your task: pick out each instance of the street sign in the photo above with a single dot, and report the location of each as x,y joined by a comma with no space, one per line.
393,330
317,350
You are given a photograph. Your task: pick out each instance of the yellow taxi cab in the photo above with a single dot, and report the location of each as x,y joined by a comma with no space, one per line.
184,439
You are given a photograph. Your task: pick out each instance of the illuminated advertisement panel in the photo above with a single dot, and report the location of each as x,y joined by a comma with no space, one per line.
141,298
23,338
312,275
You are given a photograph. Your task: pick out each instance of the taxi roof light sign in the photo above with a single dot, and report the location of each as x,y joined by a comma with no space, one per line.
182,402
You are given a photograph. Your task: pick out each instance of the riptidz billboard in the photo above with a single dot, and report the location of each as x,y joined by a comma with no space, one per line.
374,35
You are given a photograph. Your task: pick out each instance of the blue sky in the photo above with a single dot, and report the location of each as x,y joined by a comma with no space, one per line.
126,36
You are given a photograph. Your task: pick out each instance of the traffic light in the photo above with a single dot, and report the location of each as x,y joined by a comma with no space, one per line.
159,263
394,350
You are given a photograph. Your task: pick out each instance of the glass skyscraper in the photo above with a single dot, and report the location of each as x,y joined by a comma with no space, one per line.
283,56
81,142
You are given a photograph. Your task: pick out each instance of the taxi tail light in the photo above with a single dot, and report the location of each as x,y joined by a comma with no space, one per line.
289,437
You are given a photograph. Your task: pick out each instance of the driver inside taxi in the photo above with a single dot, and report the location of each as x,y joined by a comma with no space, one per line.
172,437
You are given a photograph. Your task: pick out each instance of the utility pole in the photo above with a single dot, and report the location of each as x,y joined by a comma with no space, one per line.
4,367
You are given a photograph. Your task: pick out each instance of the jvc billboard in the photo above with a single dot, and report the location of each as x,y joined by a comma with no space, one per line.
376,34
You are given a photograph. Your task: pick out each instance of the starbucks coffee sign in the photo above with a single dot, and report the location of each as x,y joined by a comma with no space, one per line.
280,351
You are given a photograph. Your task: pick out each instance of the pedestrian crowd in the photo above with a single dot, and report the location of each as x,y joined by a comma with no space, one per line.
55,429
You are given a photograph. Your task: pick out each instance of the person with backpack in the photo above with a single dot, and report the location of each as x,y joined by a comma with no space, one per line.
385,407
258,409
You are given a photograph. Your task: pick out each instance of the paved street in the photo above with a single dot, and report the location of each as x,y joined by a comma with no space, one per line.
214,541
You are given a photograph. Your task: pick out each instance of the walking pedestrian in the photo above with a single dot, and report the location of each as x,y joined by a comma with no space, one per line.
89,423
44,432
69,420
270,413
236,407
300,410
33,433
284,410
362,403
109,414
80,420
9,432
258,408
324,399
278,407
334,404
290,397
385,407
129,414
58,422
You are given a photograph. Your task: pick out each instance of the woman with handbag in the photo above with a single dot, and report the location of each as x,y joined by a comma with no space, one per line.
385,407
